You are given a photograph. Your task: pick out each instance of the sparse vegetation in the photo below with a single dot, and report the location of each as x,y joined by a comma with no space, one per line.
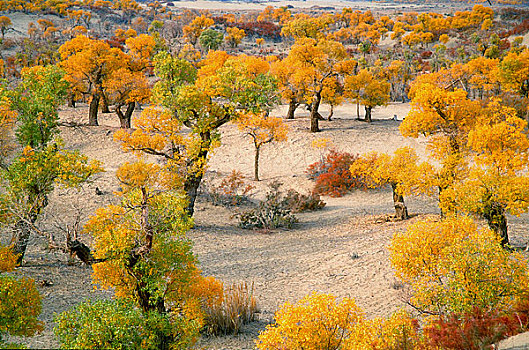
184,83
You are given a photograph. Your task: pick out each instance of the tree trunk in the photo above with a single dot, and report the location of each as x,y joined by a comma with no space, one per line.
92,113
401,212
124,119
314,115
81,250
71,101
191,184
358,109
256,164
292,105
104,104
20,239
368,114
331,113
497,220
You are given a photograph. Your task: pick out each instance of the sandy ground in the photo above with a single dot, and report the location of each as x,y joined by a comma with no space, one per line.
340,249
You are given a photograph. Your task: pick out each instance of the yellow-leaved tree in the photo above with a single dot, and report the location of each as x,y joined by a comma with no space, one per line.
497,181
315,62
444,114
400,171
452,266
368,89
262,130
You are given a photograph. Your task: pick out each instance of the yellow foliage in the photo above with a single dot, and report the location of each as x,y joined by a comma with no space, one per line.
235,36
318,321
453,266
8,260
376,170
262,129
196,27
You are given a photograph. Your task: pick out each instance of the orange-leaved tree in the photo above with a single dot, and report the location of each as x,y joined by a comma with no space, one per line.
127,86
193,30
88,63
262,129
290,86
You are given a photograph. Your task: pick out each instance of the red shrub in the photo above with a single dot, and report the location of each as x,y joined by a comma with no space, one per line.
477,329
426,55
332,174
262,29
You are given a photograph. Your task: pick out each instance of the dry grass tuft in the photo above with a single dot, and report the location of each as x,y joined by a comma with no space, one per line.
237,307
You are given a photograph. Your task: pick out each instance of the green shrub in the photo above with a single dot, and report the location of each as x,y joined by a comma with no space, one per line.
114,324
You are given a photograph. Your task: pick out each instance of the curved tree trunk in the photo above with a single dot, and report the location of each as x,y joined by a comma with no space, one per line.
401,212
314,115
193,179
497,220
292,106
92,113
256,164
22,232
358,109
331,113
191,184
368,114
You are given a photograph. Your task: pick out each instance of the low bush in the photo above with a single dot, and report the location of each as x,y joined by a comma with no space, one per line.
298,202
477,329
113,324
20,302
231,191
318,321
332,174
271,213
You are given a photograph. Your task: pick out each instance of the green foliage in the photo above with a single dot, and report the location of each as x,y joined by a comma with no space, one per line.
173,73
36,100
113,324
20,302
32,176
211,39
